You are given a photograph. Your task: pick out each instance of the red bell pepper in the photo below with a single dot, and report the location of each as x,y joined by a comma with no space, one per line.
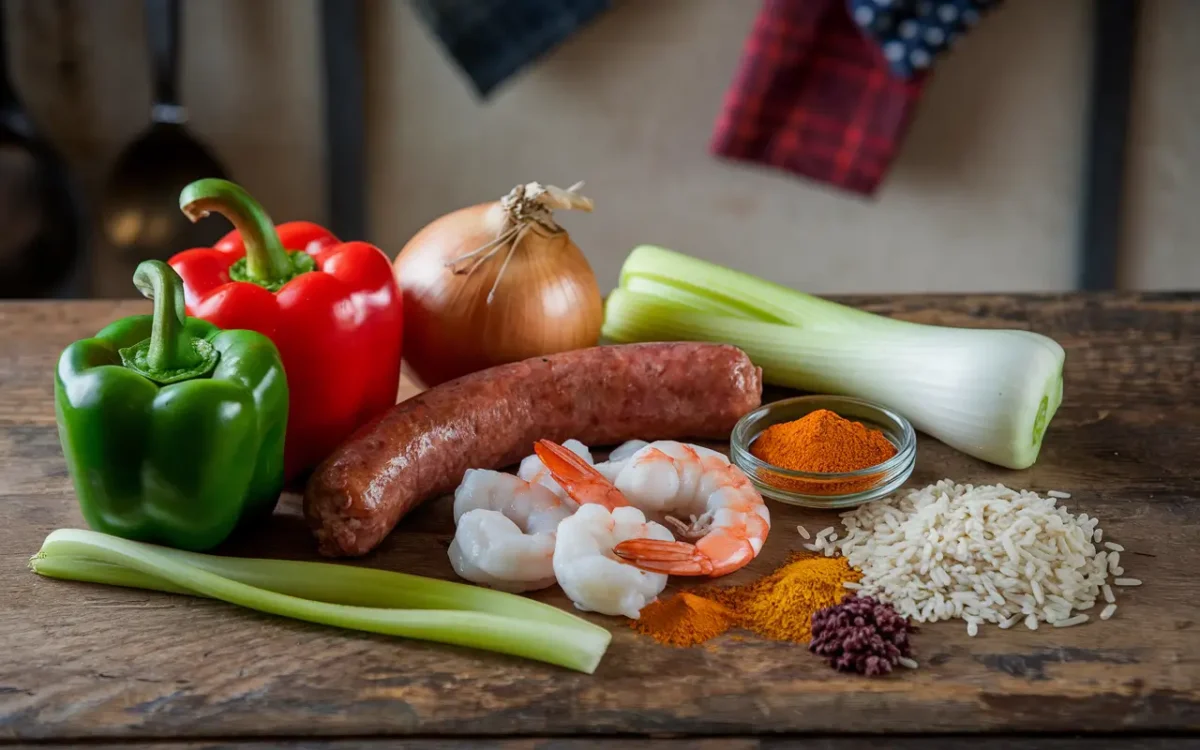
332,308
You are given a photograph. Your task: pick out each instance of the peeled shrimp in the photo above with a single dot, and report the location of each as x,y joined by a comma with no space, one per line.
625,451
618,458
588,571
725,514
532,469
506,531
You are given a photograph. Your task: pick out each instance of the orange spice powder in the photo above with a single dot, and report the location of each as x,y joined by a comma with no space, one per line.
822,442
779,606
683,620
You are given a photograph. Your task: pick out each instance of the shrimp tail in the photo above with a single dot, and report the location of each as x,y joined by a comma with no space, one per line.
582,481
657,556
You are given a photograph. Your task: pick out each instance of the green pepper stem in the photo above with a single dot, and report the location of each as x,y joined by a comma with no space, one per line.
267,261
170,345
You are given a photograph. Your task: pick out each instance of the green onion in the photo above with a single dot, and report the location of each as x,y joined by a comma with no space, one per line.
343,596
989,393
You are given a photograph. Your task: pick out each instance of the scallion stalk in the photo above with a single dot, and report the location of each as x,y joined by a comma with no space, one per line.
338,595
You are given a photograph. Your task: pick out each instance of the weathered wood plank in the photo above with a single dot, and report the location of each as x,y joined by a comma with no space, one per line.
722,743
90,662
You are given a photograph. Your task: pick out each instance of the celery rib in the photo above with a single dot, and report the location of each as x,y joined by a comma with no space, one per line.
337,583
714,288
989,393
77,554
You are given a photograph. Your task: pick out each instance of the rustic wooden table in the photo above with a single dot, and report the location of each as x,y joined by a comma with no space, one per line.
81,663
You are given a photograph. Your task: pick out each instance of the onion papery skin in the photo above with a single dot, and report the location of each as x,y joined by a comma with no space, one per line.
548,300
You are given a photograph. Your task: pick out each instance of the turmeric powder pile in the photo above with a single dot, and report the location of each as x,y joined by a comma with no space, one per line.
779,606
826,443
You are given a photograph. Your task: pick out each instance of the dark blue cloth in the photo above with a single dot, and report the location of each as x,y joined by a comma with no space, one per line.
911,33
493,39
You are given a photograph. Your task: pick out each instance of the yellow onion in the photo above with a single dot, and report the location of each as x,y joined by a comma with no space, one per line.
495,283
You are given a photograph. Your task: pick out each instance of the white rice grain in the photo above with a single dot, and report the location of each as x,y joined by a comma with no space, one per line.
1108,594
986,554
1127,582
1108,611
1059,495
907,663
1076,620
1114,546
803,532
825,532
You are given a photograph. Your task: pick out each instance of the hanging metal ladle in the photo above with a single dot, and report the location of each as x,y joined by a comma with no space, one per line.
141,217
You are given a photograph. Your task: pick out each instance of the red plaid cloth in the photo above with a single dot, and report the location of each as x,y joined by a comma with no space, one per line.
813,95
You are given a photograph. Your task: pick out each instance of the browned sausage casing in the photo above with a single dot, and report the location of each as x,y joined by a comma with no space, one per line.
491,419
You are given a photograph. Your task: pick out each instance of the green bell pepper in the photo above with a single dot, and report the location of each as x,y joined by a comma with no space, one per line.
172,428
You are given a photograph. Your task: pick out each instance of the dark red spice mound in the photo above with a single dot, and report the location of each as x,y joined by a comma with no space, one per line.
861,635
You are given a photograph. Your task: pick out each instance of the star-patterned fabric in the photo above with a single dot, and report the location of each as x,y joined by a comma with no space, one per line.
911,33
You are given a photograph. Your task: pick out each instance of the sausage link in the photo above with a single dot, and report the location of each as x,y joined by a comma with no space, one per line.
490,419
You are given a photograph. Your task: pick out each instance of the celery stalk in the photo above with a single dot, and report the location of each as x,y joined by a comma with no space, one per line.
477,618
699,285
989,393
650,269
357,586
69,568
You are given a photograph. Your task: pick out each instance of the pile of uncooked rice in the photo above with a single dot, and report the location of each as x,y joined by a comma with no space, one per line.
982,554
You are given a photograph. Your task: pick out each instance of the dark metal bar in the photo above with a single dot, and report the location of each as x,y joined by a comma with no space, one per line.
1114,40
162,25
345,119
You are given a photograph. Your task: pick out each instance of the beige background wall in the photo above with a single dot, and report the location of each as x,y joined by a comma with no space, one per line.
984,196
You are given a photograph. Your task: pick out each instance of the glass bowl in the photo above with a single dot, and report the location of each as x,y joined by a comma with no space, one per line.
821,490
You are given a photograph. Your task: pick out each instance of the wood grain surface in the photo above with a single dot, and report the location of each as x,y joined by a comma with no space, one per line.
86,662
949,742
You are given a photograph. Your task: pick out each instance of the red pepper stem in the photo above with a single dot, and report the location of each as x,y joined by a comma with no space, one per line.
267,261
170,345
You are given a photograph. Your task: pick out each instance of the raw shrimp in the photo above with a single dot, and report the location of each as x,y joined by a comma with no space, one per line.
673,480
588,571
626,450
618,458
506,525
532,469
583,482
506,531
727,516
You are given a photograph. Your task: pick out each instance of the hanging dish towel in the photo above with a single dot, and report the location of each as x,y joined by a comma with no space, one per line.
493,39
912,33
814,96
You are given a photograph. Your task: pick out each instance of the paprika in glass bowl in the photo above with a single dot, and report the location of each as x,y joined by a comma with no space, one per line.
826,435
